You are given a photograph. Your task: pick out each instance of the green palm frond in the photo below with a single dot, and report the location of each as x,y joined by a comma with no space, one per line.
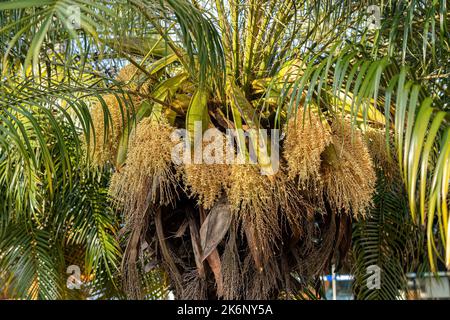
34,20
85,219
34,124
387,239
42,217
34,261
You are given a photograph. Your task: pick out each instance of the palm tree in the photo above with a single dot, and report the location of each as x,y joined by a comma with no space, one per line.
72,131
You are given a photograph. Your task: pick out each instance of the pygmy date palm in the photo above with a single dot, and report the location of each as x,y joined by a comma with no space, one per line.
315,70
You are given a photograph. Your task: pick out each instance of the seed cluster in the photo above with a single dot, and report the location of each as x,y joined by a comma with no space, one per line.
347,171
109,119
148,175
107,133
131,77
207,182
375,140
306,140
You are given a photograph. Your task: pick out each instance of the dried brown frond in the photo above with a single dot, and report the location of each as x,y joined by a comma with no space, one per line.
260,285
148,175
105,147
194,287
232,276
131,276
347,171
318,255
306,139
292,205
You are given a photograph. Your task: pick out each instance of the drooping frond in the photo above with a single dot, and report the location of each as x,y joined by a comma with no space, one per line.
387,240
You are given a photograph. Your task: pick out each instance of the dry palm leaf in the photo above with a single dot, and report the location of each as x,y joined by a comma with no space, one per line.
214,227
232,276
196,246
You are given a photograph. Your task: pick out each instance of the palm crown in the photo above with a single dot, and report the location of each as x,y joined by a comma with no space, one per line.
86,167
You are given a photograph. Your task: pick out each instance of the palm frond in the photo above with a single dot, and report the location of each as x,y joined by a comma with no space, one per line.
388,240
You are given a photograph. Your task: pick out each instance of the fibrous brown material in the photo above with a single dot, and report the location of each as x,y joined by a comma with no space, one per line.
232,273
347,171
306,139
292,206
148,176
